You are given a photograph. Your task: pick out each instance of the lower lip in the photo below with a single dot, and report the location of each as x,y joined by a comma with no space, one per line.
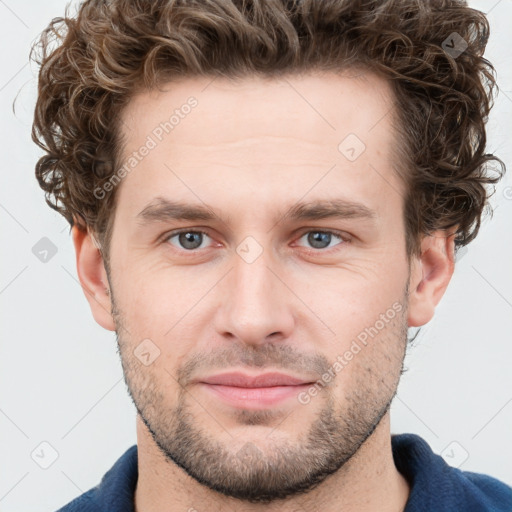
254,398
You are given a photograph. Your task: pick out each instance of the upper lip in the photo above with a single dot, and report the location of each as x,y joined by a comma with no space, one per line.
263,380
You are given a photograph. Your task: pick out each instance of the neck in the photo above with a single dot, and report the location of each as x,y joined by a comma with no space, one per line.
368,482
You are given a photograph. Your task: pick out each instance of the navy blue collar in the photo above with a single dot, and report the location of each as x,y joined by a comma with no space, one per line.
435,486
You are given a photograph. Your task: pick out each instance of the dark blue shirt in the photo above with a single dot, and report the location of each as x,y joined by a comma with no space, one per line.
435,486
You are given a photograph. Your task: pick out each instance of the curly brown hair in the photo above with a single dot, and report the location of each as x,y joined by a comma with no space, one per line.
93,63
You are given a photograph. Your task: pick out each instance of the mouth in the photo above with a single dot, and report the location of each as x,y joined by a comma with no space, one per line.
256,391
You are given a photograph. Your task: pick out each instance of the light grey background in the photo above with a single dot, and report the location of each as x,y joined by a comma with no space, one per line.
61,380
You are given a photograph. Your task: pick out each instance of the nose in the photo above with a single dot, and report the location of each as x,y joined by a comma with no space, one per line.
254,304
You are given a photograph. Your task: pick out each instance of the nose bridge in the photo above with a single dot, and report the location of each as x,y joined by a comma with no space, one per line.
254,306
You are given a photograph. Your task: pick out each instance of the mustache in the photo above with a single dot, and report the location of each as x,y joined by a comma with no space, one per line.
272,355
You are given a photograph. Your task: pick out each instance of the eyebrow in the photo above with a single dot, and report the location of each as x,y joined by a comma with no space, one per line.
162,209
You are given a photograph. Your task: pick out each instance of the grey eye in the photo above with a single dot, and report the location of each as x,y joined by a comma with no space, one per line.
320,239
189,240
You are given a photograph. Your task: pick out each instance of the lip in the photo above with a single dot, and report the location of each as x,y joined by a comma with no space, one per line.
254,392
265,380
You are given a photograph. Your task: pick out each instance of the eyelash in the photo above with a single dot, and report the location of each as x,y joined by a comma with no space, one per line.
344,239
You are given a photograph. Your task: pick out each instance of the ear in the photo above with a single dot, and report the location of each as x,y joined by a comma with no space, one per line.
93,277
430,274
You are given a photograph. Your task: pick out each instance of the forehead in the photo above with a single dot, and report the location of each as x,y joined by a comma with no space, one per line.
246,139
318,107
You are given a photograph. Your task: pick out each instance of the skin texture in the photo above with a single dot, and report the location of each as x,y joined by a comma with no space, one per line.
250,151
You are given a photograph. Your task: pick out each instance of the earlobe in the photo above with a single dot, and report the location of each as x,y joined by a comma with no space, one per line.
93,277
430,275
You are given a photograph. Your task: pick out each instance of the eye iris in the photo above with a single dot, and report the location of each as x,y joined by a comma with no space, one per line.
187,238
317,236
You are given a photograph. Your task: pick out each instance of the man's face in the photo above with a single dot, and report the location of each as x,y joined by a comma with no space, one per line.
261,291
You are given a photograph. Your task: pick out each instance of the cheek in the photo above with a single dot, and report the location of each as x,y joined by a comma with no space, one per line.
164,309
156,299
368,319
348,303
370,359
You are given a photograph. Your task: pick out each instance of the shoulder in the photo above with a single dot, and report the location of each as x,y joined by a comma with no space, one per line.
116,490
83,503
435,485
